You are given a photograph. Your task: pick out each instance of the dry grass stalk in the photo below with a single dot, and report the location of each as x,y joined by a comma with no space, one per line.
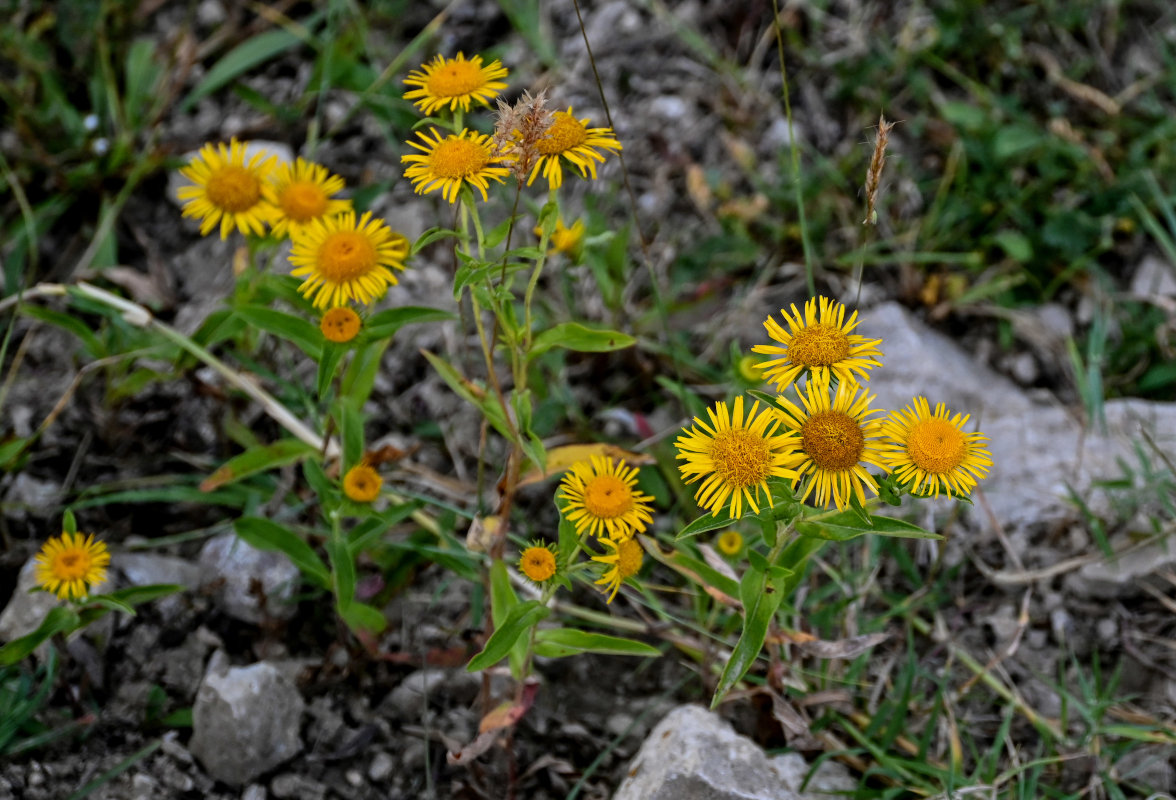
518,129
874,174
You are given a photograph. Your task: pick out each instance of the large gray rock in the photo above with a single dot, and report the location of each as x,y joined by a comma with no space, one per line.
146,569
245,721
236,570
693,754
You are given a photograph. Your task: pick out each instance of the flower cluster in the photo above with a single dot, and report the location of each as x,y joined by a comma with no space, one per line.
341,258
828,437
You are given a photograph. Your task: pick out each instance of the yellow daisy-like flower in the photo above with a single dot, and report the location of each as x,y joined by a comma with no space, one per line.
600,496
730,543
454,82
820,342
538,562
447,163
564,239
624,562
304,192
229,189
70,564
736,456
749,371
362,483
342,260
340,325
572,139
836,440
931,449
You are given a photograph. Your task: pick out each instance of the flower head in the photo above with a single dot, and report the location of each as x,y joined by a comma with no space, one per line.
730,543
624,562
734,457
518,129
836,440
931,451
749,371
362,483
538,562
819,342
304,192
229,189
340,324
564,239
447,163
70,564
570,138
454,82
342,260
600,496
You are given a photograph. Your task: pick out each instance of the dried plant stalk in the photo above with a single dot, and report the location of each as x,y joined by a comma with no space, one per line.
874,174
518,129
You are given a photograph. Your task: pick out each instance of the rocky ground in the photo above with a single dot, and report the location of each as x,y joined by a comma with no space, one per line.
284,705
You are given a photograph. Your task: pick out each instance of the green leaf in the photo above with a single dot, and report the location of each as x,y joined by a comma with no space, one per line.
328,366
296,330
11,449
256,459
69,523
318,481
705,523
343,567
241,59
265,534
369,531
760,600
362,617
385,324
351,428
847,525
360,376
559,642
1015,244
93,346
481,399
574,336
433,235
521,619
137,595
698,571
112,603
59,619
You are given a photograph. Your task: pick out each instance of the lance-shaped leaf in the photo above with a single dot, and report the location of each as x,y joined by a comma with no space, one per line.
521,619
558,642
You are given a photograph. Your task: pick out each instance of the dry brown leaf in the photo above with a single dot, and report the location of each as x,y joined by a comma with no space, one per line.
843,648
562,458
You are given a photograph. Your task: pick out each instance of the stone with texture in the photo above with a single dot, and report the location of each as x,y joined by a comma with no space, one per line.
234,567
297,787
245,721
26,610
693,754
1123,576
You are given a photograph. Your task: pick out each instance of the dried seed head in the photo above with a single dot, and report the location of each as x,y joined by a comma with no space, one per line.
874,173
519,128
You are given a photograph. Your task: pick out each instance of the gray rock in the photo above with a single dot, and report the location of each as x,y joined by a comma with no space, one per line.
254,792
693,754
410,698
381,767
26,610
144,787
1154,276
245,722
29,497
234,568
144,569
1122,576
297,787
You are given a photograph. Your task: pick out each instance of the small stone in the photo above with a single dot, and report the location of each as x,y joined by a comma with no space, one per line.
669,108
236,570
353,777
25,611
144,787
297,787
1107,629
409,698
255,791
381,767
245,722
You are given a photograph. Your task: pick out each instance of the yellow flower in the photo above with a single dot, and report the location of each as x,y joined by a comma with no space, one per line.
302,193
454,82
362,483
342,260
821,343
836,440
70,564
538,562
564,239
572,139
932,449
229,190
340,325
447,163
736,456
749,371
625,562
730,543
601,496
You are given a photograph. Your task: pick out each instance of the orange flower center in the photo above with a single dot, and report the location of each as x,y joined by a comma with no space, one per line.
937,446
607,497
340,325
741,458
833,440
71,566
457,158
362,484
302,201
455,78
346,255
233,189
629,558
538,563
565,133
819,345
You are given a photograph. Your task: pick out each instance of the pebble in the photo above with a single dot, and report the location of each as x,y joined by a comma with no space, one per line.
381,767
